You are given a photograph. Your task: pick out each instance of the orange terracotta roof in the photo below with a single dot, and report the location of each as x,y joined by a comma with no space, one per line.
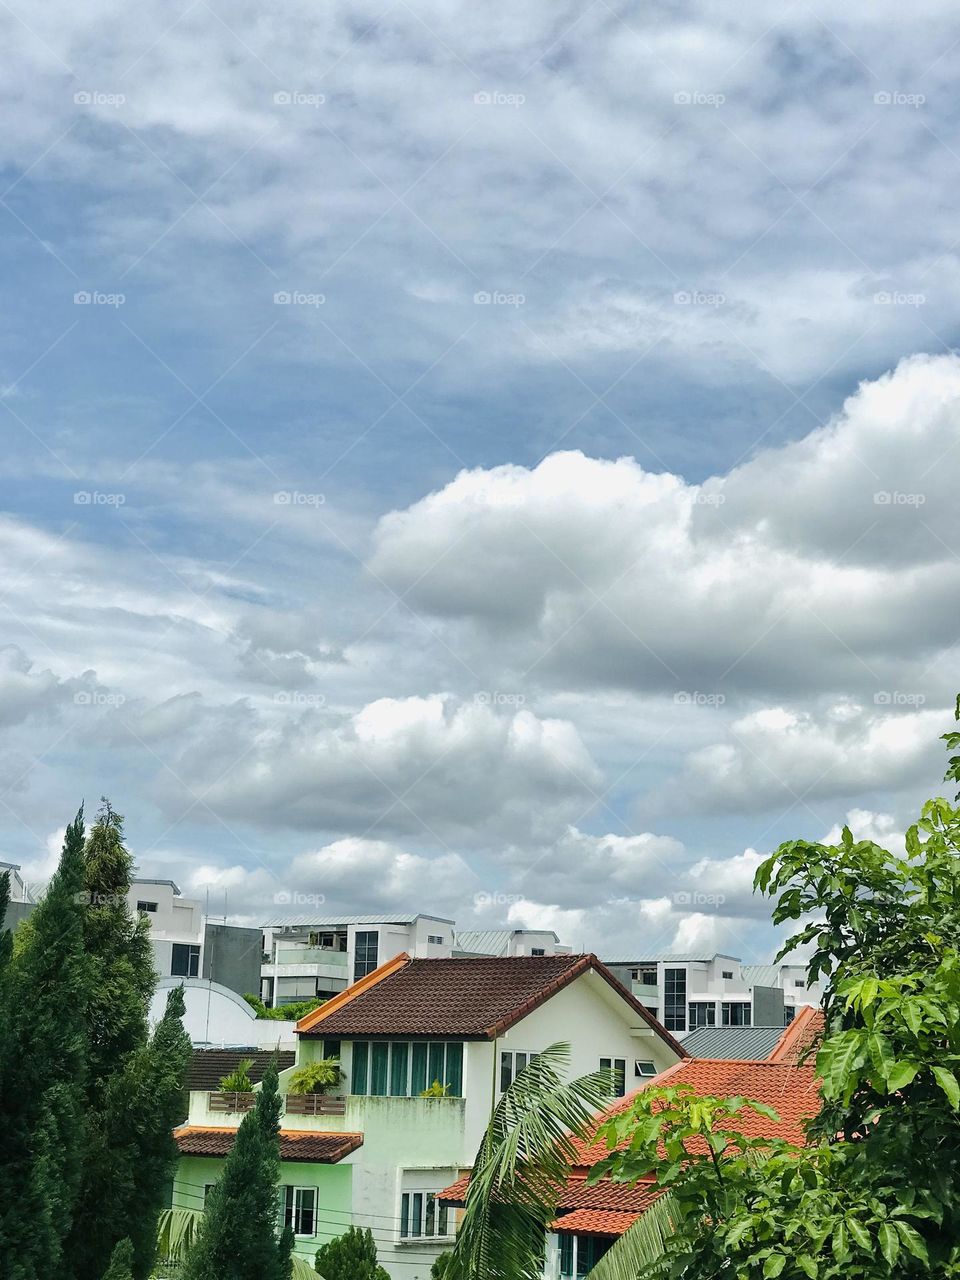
595,1222
619,1197
469,998
799,1036
302,1145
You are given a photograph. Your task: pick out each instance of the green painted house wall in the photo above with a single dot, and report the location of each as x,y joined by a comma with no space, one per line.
334,1183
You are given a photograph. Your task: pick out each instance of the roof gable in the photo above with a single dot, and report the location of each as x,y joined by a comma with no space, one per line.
476,998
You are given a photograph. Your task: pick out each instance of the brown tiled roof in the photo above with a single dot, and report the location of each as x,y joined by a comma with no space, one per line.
208,1066
302,1145
595,1222
469,998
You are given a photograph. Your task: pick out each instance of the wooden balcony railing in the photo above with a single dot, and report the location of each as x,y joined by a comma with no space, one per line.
315,1104
232,1101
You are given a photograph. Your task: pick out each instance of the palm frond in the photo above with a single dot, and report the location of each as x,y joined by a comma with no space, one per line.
177,1233
639,1250
302,1269
521,1168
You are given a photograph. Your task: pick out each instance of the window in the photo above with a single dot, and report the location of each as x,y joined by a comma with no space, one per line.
799,982
675,999
511,1064
646,976
643,1068
538,951
404,1068
726,973
653,1011
421,1217
184,960
366,946
435,938
702,1013
580,1254
619,1068
298,1206
735,1014
789,1012
144,907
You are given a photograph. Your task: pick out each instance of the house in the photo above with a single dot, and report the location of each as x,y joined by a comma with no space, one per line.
21,901
689,990
509,942
378,1153
591,1218
188,944
320,957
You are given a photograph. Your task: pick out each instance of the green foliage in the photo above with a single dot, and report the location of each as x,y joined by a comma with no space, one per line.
444,1267
316,1077
352,1256
284,1012
238,1080
238,1237
121,1262
44,1048
436,1090
521,1168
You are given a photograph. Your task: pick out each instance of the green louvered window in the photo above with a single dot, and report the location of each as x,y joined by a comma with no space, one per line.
453,1076
398,1069
358,1076
379,1053
418,1070
435,1069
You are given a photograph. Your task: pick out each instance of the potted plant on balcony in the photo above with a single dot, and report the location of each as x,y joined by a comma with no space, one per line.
236,1089
436,1090
310,1085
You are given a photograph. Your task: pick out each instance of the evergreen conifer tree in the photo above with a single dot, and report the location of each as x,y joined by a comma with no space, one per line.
239,1237
121,1262
44,998
352,1256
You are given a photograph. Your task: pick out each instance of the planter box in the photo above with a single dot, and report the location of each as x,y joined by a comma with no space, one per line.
315,1104
232,1101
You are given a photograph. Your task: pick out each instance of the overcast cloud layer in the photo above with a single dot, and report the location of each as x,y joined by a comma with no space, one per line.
486,461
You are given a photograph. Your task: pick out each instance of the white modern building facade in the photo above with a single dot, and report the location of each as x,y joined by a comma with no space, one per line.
307,959
509,942
685,990
176,926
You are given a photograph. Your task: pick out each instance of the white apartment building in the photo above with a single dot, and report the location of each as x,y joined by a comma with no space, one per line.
176,926
19,892
304,959
686,991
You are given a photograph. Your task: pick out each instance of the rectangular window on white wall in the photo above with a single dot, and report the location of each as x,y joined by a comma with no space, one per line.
405,1068
422,1217
619,1068
511,1064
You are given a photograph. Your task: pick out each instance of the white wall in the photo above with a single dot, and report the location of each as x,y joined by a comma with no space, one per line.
217,1018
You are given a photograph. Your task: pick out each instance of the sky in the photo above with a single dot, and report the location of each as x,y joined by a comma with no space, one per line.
494,461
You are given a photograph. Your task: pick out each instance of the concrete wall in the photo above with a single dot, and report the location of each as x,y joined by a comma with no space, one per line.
767,1007
231,957
17,911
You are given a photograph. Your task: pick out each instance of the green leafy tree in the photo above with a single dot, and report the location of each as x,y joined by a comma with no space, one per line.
352,1256
44,1047
238,1237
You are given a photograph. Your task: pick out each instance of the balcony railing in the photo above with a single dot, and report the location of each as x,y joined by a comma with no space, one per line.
310,955
232,1102
315,1104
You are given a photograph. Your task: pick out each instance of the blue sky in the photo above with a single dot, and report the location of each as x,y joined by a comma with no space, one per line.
500,463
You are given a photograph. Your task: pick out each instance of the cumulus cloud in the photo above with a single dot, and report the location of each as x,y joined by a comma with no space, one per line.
590,571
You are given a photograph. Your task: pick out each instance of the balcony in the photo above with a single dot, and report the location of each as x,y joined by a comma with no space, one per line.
231,1103
646,994
314,1104
310,955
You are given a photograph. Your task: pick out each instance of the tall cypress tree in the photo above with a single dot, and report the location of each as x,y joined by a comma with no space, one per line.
121,1262
44,998
133,1089
6,936
239,1233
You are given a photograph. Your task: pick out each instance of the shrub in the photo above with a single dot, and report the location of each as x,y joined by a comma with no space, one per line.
238,1081
436,1090
316,1077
